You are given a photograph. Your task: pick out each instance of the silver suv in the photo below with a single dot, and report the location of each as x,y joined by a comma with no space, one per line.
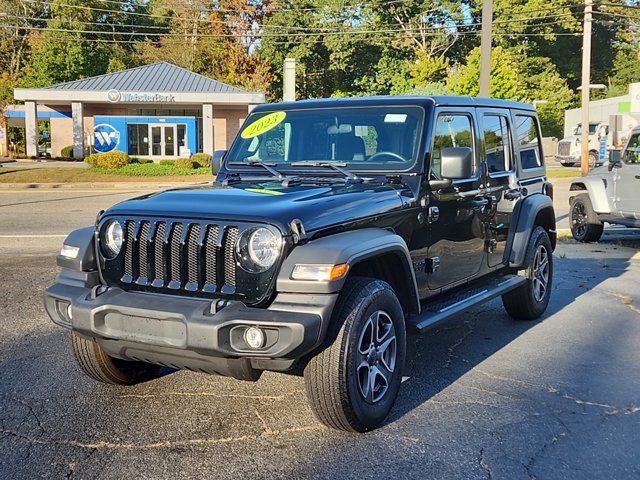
608,195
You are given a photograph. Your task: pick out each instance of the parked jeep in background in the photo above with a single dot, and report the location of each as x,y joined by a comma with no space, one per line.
609,194
334,227
570,150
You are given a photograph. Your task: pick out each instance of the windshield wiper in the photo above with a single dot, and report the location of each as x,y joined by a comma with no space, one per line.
267,166
337,166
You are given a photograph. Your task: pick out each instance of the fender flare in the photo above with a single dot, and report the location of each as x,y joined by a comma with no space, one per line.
84,240
594,187
523,222
350,247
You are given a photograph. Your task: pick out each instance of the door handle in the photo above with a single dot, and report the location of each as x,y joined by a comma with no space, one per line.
513,194
638,177
479,202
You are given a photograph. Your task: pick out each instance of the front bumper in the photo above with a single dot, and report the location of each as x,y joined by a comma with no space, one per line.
568,159
189,333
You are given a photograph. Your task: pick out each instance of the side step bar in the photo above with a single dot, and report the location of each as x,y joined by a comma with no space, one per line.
453,304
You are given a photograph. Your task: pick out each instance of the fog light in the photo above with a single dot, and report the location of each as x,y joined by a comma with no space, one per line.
254,337
69,314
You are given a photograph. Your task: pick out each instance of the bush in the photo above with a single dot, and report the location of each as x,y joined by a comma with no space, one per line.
185,164
67,152
115,159
167,162
201,159
141,161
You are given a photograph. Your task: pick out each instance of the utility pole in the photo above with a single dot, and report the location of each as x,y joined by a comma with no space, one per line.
586,83
485,48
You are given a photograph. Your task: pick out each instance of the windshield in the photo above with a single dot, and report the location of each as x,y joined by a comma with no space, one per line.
365,138
592,129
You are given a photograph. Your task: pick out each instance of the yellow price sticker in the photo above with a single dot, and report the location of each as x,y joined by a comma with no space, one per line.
263,124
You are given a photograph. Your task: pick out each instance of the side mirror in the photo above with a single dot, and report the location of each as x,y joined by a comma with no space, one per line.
615,159
216,161
456,163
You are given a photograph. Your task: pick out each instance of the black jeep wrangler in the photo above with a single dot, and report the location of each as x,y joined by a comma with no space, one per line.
333,227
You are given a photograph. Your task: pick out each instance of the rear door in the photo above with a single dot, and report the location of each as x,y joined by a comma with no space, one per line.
501,187
456,233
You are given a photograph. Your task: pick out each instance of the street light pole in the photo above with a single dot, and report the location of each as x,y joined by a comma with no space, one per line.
485,48
586,81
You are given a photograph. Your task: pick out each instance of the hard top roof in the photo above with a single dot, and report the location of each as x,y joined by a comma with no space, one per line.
394,100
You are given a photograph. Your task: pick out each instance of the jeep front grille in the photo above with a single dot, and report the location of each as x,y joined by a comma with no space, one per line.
178,255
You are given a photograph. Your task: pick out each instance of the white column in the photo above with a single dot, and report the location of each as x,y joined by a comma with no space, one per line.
77,117
31,128
207,128
289,80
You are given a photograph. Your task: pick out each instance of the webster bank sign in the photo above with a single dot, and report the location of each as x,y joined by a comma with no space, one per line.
115,96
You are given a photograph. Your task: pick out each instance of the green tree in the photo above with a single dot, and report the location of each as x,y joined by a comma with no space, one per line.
518,75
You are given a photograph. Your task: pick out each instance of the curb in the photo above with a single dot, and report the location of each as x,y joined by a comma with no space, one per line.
97,186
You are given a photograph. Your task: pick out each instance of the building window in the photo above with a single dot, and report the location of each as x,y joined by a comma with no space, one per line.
182,137
138,139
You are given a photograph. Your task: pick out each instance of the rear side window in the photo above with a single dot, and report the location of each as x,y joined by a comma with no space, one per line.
528,139
452,130
497,144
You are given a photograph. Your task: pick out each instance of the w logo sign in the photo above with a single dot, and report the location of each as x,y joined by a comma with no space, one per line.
107,138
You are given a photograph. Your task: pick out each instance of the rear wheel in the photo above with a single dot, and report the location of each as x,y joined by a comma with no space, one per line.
99,366
585,226
530,300
353,383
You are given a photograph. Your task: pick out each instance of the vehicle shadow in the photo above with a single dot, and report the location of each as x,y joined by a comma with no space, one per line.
438,358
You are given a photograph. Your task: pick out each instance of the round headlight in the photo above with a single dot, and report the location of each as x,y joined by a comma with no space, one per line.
112,239
259,249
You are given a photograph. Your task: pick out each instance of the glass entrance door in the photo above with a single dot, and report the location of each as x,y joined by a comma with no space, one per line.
163,140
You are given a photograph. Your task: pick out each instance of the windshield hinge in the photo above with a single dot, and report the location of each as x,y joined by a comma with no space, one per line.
297,230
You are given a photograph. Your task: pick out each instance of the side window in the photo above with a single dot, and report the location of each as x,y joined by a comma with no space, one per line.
497,143
528,139
452,130
632,152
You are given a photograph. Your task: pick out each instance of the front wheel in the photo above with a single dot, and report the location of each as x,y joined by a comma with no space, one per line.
530,300
353,383
100,366
585,226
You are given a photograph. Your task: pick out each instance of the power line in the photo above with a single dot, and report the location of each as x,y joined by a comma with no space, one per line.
396,29
373,41
317,30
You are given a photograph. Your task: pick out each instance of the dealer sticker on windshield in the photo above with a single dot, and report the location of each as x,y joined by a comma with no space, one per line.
263,124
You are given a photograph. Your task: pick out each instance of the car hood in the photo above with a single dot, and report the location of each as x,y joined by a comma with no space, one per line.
316,206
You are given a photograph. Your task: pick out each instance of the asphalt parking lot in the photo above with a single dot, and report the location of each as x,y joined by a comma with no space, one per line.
483,396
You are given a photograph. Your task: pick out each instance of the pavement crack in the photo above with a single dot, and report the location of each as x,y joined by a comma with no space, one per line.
32,414
265,426
626,300
484,465
104,445
452,348
609,409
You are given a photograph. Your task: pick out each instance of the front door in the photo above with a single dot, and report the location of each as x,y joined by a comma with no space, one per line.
502,190
456,236
627,180
163,140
